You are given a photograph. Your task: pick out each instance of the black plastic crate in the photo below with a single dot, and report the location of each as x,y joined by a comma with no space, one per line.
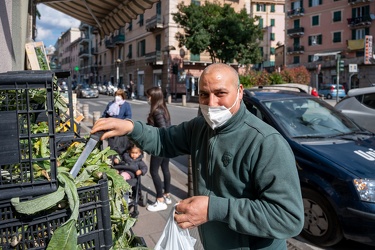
35,232
24,96
65,118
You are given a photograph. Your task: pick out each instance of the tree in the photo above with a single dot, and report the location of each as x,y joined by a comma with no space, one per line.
225,34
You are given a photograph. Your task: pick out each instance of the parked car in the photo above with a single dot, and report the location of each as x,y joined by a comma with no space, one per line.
335,159
84,90
359,105
329,91
102,89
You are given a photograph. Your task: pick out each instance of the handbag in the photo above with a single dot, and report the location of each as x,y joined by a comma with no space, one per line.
174,237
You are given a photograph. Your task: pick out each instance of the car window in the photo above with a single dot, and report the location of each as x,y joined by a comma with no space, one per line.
307,117
369,100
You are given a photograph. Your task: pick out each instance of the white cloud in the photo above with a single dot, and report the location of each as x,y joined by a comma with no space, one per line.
52,23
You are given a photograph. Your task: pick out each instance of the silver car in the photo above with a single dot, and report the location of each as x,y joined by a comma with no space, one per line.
359,105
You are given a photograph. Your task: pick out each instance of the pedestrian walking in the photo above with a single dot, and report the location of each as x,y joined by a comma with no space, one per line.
159,117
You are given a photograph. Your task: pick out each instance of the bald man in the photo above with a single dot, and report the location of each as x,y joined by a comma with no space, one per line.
246,187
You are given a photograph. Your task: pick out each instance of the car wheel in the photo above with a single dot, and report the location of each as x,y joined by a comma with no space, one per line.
321,225
329,96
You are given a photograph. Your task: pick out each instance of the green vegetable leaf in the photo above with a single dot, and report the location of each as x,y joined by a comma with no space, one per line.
38,204
64,237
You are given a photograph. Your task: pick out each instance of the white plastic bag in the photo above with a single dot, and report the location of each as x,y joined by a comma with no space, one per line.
175,238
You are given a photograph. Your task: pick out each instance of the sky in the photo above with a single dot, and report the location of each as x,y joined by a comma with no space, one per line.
51,24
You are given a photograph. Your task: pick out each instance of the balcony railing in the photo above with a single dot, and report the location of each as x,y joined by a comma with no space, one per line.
83,26
297,49
295,12
295,32
362,21
354,2
154,58
109,44
83,52
154,23
95,30
94,51
119,39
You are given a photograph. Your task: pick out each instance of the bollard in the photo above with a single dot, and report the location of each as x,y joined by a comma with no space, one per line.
85,110
183,100
95,116
169,99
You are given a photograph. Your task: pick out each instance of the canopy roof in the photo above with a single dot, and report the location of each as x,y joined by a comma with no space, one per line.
106,15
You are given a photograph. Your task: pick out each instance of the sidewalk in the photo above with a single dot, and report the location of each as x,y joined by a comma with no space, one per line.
150,225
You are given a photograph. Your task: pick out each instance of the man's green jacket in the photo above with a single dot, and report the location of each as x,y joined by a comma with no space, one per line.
249,173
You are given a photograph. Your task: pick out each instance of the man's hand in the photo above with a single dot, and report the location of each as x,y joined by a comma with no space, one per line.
192,212
113,127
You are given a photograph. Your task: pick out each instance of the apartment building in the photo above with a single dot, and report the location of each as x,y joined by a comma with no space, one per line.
146,51
317,31
66,54
272,21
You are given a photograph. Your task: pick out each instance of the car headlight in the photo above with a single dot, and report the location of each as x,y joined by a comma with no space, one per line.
365,189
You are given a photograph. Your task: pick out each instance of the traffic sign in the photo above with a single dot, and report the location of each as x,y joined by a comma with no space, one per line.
353,68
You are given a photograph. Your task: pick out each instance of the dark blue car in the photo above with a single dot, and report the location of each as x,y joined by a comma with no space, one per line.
335,160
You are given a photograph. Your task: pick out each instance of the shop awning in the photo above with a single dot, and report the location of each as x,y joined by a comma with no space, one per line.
356,44
106,15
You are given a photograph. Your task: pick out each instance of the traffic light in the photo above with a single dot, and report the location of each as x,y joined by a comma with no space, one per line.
341,65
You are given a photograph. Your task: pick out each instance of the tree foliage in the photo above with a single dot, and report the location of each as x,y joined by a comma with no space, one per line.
225,34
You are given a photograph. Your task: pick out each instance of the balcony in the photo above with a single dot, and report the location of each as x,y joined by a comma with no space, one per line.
354,2
119,39
295,12
296,32
84,40
154,58
359,22
83,26
154,23
94,51
84,53
297,49
109,44
95,30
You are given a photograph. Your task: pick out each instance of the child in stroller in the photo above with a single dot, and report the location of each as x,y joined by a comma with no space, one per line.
131,167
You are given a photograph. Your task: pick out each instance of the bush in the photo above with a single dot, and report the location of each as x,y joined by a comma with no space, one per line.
288,75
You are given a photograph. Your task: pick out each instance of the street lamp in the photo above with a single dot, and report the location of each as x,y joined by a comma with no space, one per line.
167,49
118,61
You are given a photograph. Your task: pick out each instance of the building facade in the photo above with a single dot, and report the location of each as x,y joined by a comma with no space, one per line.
146,51
66,54
319,33
272,21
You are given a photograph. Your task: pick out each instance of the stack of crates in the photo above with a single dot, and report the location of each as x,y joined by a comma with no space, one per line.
28,165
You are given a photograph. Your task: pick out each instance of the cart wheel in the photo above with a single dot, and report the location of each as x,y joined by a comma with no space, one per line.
144,199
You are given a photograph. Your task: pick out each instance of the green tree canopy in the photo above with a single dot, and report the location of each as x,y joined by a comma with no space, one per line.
225,34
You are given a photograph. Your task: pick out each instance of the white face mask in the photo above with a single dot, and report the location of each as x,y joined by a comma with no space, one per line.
217,116
118,98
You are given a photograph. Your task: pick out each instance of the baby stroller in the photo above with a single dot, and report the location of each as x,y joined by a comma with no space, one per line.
137,197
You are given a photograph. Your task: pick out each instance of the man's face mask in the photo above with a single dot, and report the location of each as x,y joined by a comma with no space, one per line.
217,116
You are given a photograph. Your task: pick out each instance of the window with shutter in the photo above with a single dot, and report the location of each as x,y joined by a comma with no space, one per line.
337,37
315,21
337,16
